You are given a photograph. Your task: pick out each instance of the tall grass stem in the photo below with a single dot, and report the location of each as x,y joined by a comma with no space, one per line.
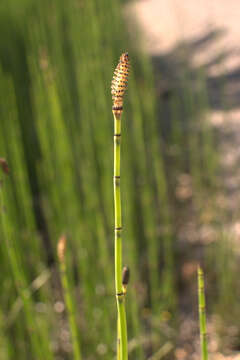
202,314
122,333
68,298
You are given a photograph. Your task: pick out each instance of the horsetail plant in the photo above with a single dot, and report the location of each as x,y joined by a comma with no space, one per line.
61,249
202,314
119,85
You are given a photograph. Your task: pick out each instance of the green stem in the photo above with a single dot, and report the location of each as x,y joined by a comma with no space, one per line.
118,242
118,339
202,314
71,311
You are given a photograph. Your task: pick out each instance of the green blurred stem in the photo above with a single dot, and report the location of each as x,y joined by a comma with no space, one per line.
202,314
122,326
118,339
70,311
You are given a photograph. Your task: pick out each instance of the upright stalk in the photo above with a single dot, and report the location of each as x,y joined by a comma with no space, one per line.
119,85
202,314
68,298
122,327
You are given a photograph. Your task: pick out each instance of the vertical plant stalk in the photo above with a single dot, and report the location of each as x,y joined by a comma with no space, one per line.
68,298
122,327
119,85
202,314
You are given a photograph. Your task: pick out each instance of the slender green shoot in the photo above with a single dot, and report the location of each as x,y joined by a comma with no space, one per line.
119,85
202,314
68,298
120,296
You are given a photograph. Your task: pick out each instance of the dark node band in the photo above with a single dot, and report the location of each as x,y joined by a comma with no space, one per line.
117,108
118,135
117,177
118,228
120,294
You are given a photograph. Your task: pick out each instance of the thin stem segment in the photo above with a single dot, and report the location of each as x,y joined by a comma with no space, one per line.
202,314
68,299
122,324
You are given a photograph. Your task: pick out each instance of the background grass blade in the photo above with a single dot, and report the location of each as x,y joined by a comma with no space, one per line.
202,314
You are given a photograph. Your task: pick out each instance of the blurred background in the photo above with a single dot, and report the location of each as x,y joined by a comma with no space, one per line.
180,175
